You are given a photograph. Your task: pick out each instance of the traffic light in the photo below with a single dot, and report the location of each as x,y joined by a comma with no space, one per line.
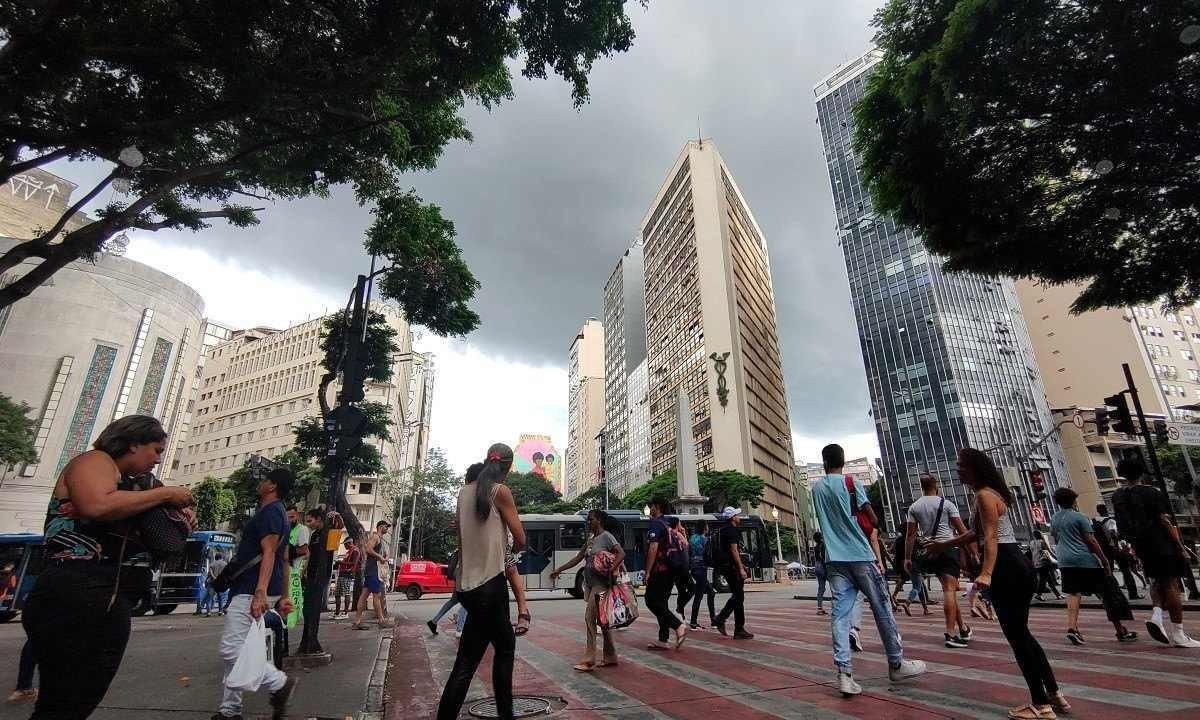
1038,482
1101,421
1160,431
1124,421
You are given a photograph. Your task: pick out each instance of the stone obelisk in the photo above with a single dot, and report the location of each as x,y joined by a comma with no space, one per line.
689,500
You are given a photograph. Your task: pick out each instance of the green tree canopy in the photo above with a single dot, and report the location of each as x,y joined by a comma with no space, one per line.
380,344
312,442
232,104
437,492
1043,139
215,503
723,488
530,489
1170,459
245,489
16,433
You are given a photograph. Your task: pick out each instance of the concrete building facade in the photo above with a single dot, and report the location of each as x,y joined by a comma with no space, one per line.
626,423
212,334
711,329
948,357
585,408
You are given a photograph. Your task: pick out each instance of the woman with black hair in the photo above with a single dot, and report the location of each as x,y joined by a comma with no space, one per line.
77,616
1011,577
595,584
486,509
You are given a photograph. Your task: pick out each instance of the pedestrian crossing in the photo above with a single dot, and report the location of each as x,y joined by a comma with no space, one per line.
787,671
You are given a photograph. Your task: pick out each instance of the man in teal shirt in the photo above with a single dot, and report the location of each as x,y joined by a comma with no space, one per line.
1082,561
852,567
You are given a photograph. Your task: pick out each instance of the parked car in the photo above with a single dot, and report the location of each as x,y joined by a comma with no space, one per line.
417,577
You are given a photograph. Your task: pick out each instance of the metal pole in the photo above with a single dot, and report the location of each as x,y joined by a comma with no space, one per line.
412,524
1149,440
778,544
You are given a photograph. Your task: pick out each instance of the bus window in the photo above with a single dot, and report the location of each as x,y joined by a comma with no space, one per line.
571,536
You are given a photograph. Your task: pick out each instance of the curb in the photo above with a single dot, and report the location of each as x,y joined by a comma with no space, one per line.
372,708
1087,604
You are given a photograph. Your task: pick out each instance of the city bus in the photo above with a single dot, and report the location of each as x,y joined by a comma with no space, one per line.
552,540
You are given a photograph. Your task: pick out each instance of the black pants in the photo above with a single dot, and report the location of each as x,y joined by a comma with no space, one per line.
1127,577
314,604
488,623
685,588
1046,581
1013,583
735,605
77,640
703,589
658,597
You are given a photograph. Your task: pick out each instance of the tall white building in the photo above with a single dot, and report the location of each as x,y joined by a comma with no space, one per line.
585,408
627,421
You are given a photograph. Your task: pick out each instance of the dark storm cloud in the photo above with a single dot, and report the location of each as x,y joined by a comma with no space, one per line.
547,197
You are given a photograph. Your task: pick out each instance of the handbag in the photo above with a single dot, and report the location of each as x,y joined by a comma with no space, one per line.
920,549
1116,605
622,602
163,531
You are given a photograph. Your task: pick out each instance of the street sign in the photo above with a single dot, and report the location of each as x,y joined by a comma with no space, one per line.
1077,418
1181,433
1036,511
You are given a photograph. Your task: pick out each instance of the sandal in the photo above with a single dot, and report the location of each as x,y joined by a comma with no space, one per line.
1059,702
607,663
908,609
523,622
1029,712
584,666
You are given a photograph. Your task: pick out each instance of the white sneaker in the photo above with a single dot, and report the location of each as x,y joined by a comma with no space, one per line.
1154,626
1180,639
907,669
847,685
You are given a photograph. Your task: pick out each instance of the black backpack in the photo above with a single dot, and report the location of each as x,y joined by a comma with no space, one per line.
710,550
1102,538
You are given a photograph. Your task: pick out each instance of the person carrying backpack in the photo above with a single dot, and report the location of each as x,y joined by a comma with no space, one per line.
700,550
679,558
1104,527
660,579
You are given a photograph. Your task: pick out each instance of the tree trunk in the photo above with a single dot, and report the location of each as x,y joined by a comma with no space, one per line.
78,244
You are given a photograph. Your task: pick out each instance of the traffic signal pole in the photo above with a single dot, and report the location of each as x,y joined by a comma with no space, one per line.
1148,438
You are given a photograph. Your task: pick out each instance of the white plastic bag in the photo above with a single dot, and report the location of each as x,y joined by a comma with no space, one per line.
247,673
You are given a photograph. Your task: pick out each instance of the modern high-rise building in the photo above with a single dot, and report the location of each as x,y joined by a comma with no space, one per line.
627,421
948,358
711,327
585,408
212,334
257,386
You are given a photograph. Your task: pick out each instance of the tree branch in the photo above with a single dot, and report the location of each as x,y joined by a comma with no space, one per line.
169,222
66,216
8,170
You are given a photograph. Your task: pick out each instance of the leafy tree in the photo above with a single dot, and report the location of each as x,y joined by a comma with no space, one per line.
1043,139
16,433
436,495
1170,458
245,490
261,101
312,442
663,485
722,488
530,489
215,503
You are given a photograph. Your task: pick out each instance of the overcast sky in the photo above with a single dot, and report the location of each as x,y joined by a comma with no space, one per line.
547,198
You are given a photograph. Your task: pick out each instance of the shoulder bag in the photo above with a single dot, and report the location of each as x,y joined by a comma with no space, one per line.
921,546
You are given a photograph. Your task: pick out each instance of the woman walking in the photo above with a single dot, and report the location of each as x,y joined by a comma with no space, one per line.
697,544
1010,575
485,510
77,616
595,584
1046,563
819,570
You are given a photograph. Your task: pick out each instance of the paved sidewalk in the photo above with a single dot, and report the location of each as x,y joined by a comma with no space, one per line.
787,670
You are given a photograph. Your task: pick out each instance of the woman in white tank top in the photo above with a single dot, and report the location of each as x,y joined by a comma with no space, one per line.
487,514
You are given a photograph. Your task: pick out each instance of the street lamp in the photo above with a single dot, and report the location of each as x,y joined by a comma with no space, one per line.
778,545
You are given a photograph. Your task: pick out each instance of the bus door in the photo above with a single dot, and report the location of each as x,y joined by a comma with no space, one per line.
571,538
538,559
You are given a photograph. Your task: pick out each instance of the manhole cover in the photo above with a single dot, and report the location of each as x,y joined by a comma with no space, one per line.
523,706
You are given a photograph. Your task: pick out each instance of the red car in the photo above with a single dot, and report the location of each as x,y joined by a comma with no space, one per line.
417,577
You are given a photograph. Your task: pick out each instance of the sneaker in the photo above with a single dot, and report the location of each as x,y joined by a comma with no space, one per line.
1180,639
1039,598
720,626
1156,631
855,643
432,626
965,633
1075,637
906,669
742,635
280,698
954,641
1127,636
847,685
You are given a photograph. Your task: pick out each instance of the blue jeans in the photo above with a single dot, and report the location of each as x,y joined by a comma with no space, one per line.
918,591
848,579
819,571
206,602
447,607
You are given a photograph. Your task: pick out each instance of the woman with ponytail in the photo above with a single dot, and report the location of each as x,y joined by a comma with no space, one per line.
487,515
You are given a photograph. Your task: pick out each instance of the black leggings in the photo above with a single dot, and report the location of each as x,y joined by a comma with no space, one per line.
1013,583
488,623
77,641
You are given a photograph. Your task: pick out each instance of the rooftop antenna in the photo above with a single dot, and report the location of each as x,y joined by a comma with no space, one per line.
699,135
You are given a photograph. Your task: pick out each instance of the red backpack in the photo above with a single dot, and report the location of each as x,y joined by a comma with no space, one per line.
864,522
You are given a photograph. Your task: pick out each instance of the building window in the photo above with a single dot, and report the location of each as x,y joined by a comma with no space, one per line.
366,488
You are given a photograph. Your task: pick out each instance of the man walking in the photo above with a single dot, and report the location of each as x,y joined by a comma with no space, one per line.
1104,528
316,581
729,563
214,571
262,577
660,579
852,568
347,568
932,517
376,554
1144,518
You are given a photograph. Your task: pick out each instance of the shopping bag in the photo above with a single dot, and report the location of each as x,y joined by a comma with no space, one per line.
253,659
1116,605
623,605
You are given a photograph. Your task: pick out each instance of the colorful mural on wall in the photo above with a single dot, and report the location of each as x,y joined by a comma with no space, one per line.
536,454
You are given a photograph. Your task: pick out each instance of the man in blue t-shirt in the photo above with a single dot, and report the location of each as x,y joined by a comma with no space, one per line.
852,567
263,577
660,579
